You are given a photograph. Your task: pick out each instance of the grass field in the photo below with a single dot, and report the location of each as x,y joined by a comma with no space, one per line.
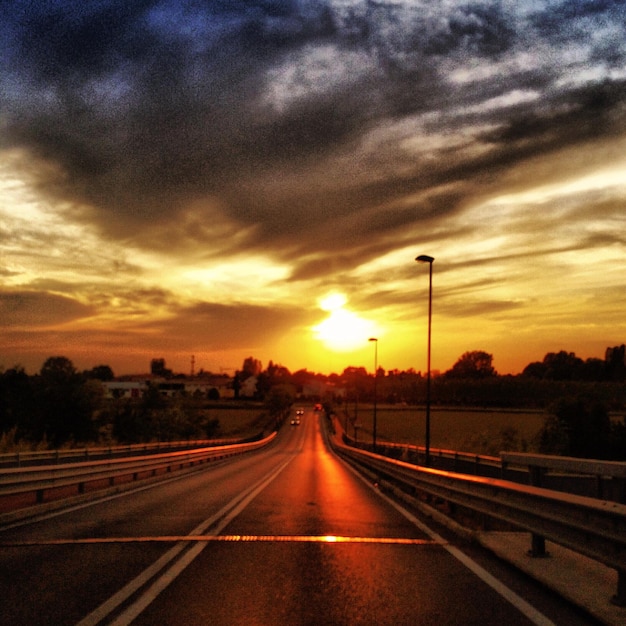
466,430
237,422
480,431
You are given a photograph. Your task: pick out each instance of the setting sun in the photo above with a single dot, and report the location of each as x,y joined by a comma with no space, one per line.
342,330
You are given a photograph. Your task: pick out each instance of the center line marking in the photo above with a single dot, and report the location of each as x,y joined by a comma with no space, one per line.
223,538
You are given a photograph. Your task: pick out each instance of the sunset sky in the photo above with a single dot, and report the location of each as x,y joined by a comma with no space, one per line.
228,179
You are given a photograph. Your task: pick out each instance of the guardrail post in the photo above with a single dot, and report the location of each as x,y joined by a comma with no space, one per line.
620,597
537,546
537,542
599,487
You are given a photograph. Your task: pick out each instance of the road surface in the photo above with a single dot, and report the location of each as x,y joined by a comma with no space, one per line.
288,535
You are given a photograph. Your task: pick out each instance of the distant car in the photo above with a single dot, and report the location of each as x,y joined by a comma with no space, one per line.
295,421
318,407
299,411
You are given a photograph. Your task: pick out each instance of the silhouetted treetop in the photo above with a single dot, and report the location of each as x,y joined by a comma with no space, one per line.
474,364
100,372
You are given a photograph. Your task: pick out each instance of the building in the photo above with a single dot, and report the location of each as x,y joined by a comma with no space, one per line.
215,387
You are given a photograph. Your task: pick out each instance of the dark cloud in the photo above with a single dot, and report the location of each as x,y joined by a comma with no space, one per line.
559,19
219,326
39,309
482,29
256,113
483,308
597,110
37,323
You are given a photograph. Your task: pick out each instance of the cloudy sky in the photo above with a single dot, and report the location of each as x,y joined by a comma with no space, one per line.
233,178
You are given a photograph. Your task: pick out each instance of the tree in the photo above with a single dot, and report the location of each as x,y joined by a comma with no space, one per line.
66,406
278,402
16,401
475,364
99,372
302,377
237,384
250,367
593,370
536,369
577,427
57,369
355,378
277,374
615,360
129,425
157,368
563,366
263,385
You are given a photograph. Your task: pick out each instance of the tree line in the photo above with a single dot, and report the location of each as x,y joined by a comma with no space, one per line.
61,405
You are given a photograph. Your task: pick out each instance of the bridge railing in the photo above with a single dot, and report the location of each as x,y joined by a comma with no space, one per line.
605,480
22,458
589,526
40,480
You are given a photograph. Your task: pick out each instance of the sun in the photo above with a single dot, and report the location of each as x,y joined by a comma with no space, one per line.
342,330
333,302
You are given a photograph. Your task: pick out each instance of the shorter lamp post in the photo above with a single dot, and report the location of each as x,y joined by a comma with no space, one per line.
423,258
375,340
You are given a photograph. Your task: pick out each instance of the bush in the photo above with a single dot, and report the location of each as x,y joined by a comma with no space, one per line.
577,427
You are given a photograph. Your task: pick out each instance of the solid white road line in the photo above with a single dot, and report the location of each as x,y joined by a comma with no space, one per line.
217,521
535,616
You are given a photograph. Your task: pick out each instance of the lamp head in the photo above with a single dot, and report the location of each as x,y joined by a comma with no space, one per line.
424,258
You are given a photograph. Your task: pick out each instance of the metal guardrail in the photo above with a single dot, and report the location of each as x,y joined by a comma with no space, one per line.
39,479
594,528
538,465
21,458
605,480
614,469
479,464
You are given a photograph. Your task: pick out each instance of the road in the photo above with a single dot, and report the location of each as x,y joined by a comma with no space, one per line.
287,535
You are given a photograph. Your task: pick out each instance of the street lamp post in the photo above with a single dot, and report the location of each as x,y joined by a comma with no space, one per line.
423,258
375,340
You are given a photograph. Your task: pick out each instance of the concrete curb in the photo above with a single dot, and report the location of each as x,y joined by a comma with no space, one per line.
583,581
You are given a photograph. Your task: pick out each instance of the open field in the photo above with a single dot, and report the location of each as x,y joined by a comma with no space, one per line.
480,431
237,422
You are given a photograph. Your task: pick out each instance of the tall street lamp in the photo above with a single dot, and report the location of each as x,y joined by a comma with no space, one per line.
423,258
375,340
